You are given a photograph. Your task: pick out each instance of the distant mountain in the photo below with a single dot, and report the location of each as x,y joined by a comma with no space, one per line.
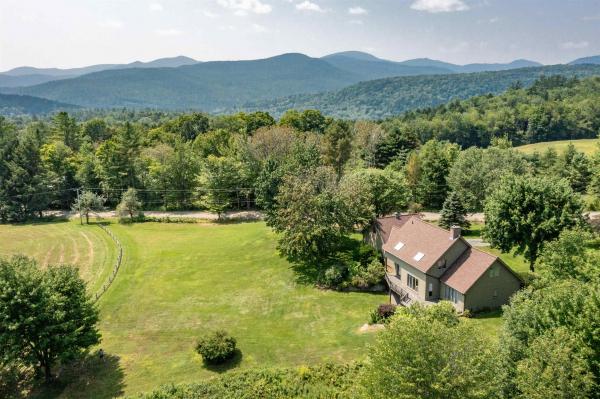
468,68
209,86
29,76
586,60
391,96
28,80
12,104
357,55
498,67
370,67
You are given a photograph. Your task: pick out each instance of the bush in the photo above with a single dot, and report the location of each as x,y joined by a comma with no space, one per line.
319,381
334,276
367,277
216,347
383,313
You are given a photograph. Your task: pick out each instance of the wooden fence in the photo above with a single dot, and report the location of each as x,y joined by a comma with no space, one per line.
117,266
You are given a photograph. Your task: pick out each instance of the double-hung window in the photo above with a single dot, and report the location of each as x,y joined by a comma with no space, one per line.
412,282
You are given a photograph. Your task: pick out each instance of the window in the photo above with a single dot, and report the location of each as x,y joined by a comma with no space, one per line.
450,294
412,282
430,289
494,271
397,268
418,256
399,246
495,293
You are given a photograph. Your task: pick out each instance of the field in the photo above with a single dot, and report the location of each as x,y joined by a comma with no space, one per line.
587,146
179,280
88,247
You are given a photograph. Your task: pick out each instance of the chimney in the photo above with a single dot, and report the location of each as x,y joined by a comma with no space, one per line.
455,232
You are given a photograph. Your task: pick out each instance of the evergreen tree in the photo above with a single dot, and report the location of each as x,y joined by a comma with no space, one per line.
453,212
23,189
66,130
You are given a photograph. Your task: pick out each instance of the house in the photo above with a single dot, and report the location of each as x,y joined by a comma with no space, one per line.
425,263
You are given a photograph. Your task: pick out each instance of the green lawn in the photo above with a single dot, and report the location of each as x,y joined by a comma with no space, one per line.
587,146
179,280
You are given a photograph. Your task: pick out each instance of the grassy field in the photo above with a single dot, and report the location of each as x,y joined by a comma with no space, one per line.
587,146
88,247
179,280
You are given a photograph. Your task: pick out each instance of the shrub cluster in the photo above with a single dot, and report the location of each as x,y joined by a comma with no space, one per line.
216,347
383,313
356,265
321,381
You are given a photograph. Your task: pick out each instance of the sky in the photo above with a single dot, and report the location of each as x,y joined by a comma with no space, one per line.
71,33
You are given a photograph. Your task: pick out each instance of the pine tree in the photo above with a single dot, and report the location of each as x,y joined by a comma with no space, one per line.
454,212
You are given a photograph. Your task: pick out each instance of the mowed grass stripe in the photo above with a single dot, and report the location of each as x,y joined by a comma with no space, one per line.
88,247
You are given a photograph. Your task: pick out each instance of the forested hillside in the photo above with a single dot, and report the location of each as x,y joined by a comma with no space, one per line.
210,86
387,97
12,104
553,108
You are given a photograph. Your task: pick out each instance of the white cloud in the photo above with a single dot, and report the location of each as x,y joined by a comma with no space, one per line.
168,32
156,7
243,7
494,20
309,6
111,24
210,14
435,6
575,45
355,22
357,11
259,28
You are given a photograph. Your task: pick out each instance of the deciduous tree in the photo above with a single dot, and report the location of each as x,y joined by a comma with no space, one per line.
46,316
526,212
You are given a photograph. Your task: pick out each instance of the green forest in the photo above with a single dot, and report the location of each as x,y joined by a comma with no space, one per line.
384,98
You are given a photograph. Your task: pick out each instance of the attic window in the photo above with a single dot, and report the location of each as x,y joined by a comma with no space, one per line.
399,246
419,256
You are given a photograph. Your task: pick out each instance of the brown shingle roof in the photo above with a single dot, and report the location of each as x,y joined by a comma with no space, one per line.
384,225
467,269
418,237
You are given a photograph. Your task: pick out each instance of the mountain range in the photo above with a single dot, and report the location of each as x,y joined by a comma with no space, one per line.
219,86
378,99
29,76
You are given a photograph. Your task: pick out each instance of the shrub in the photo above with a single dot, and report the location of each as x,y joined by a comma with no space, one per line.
334,276
383,313
372,275
216,347
319,381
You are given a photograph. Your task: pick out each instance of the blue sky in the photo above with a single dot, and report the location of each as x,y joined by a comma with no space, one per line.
68,33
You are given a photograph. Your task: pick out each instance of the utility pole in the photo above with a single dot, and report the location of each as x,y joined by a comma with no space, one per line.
79,206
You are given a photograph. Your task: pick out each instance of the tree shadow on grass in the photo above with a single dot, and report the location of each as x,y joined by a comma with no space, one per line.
306,273
47,220
89,377
231,363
